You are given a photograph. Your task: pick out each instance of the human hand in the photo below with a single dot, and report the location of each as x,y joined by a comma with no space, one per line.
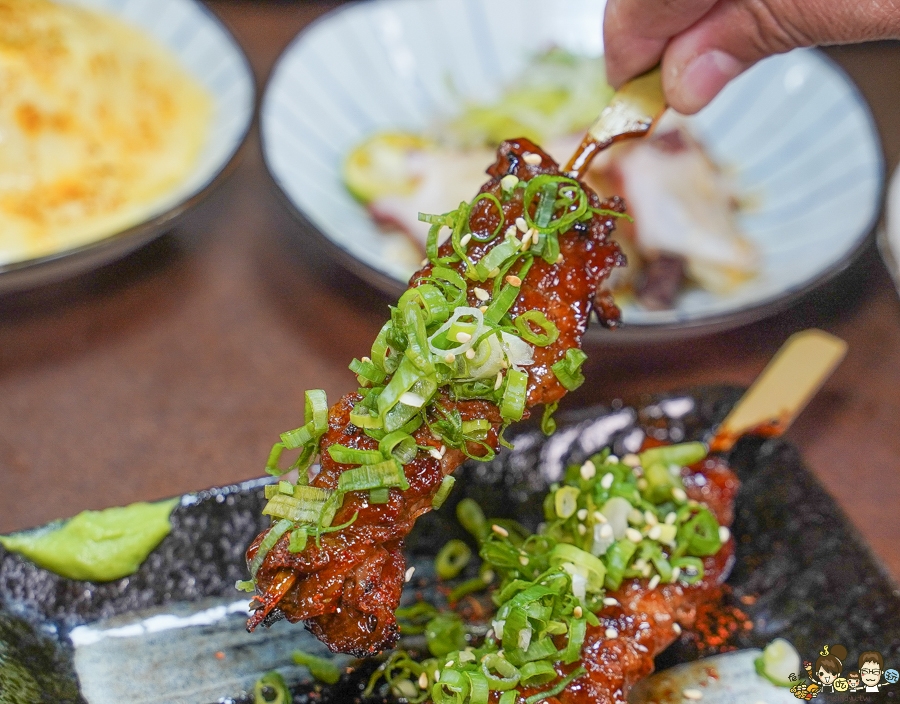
703,44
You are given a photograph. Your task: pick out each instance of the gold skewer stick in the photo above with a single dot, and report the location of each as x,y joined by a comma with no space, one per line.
787,384
633,110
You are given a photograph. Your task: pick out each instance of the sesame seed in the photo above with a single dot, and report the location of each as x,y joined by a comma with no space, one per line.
559,258
470,354
449,358
513,280
582,529
500,530
437,675
611,633
607,480
521,224
654,533
424,262
724,534
434,452
499,381
676,628
654,582
365,359
463,337
610,601
510,231
606,531
443,450
692,694
465,239
480,294
449,664
531,158
631,460
588,470
678,494
523,560
676,573
508,182
599,517
423,681
526,243
640,564
483,309
633,535
612,459
670,518
494,272
535,236
582,514
409,573
577,612
650,517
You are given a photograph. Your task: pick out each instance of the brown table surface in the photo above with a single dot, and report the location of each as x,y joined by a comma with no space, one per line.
174,369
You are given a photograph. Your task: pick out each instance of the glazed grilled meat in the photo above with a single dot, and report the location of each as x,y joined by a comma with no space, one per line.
347,587
646,621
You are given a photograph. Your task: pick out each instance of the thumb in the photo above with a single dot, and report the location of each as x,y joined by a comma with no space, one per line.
735,34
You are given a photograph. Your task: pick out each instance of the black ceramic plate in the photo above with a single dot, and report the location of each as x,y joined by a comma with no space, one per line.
172,632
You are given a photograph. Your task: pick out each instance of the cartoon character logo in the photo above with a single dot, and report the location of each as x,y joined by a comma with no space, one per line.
829,665
871,669
805,691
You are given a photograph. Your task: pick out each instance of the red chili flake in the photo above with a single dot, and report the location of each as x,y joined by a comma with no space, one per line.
220,655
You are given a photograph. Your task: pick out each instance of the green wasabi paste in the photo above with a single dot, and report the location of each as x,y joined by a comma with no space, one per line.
99,546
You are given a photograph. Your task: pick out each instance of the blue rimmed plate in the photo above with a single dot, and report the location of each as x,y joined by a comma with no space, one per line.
207,51
794,131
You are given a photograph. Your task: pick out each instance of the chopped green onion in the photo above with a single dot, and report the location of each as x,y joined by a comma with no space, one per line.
691,569
367,371
494,201
272,463
577,634
400,445
379,496
497,256
350,455
445,634
471,517
451,688
512,406
549,332
546,204
476,427
564,554
537,673
432,302
298,540
443,492
548,424
452,559
568,369
322,669
385,474
245,585
268,542
479,690
565,501
384,356
316,421
558,688
700,535
271,689
684,454
305,506
617,558
501,674
470,586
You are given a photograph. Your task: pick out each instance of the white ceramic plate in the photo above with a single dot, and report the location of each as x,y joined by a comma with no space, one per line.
889,234
794,129
205,49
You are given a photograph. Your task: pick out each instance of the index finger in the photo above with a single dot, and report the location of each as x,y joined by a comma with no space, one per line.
635,32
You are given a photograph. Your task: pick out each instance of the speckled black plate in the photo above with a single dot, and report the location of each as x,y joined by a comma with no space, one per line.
809,575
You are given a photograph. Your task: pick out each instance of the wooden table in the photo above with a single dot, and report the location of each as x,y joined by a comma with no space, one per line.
174,369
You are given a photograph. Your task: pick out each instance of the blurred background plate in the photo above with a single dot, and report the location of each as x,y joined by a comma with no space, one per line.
794,131
209,53
889,234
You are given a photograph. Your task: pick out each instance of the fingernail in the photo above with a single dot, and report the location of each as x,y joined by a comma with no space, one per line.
703,78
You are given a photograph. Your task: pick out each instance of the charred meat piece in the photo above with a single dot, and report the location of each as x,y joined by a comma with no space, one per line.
347,584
